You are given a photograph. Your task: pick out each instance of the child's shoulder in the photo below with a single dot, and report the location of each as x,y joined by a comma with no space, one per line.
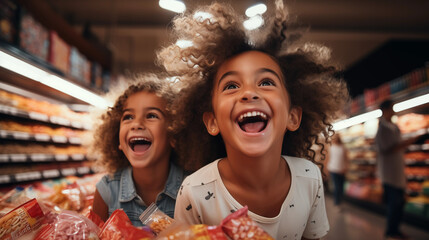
302,167
116,176
204,175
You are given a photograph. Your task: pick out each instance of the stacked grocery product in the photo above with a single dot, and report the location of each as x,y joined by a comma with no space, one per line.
64,212
41,140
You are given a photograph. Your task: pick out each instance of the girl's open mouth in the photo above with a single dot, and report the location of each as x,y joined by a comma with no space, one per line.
252,122
139,144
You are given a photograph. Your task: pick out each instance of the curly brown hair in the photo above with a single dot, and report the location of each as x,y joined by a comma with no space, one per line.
106,134
217,33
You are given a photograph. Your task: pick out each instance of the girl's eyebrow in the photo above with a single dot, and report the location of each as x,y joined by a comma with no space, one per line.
261,70
226,75
148,108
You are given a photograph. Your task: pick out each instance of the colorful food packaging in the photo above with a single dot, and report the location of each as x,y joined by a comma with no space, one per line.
20,221
119,227
69,225
239,226
191,232
155,218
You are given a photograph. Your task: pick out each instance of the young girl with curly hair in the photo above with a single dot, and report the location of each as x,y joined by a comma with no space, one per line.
252,105
136,150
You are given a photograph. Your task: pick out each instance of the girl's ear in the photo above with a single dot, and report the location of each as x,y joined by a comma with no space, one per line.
295,116
211,123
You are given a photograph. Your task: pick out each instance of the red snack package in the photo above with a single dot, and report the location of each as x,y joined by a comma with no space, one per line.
119,227
21,220
239,226
69,225
95,218
178,230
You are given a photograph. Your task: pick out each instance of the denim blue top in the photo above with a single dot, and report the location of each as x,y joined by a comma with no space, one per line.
119,192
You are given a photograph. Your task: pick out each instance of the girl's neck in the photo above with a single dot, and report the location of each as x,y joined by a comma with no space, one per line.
150,181
257,172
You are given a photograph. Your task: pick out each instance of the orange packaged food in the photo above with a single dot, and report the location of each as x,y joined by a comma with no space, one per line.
239,226
155,218
119,227
21,220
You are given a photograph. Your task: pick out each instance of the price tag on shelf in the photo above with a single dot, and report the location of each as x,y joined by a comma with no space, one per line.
68,171
75,140
59,121
61,157
21,135
18,157
4,133
41,137
83,170
76,124
40,157
8,110
59,139
38,116
5,179
52,173
78,157
4,158
27,176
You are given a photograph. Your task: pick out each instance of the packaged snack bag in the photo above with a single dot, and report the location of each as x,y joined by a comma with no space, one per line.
239,226
183,231
69,225
95,218
156,219
119,227
21,220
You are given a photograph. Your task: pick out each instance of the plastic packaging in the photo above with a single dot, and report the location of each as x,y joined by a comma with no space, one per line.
156,219
69,225
119,227
239,226
21,220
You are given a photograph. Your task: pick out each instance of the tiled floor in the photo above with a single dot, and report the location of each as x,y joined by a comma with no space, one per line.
355,223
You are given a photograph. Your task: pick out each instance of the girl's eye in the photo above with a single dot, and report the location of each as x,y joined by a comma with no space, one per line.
152,115
267,82
127,117
229,86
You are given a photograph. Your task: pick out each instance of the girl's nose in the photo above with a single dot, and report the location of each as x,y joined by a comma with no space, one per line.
137,124
249,94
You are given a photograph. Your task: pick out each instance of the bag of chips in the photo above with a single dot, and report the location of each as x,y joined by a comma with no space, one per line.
156,219
239,226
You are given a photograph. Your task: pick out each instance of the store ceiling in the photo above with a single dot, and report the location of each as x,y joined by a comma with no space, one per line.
134,29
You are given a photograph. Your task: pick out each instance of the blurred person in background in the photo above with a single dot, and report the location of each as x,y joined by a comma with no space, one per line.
391,165
337,167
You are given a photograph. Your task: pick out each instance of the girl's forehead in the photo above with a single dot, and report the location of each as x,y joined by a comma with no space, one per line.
249,61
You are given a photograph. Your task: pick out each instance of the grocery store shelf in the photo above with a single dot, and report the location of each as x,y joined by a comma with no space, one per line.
39,137
60,121
40,157
410,218
44,175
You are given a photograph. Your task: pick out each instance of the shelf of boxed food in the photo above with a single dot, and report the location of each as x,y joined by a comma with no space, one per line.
18,106
24,173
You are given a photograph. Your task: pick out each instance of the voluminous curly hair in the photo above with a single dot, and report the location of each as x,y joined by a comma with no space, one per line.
217,33
106,134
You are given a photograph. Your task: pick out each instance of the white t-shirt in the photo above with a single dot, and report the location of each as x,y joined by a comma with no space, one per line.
203,198
337,159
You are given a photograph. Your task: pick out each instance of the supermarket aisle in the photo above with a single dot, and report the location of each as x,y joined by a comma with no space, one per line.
355,223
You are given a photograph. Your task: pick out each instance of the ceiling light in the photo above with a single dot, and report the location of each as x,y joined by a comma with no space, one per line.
357,119
253,22
201,16
32,72
413,102
172,5
257,9
184,43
